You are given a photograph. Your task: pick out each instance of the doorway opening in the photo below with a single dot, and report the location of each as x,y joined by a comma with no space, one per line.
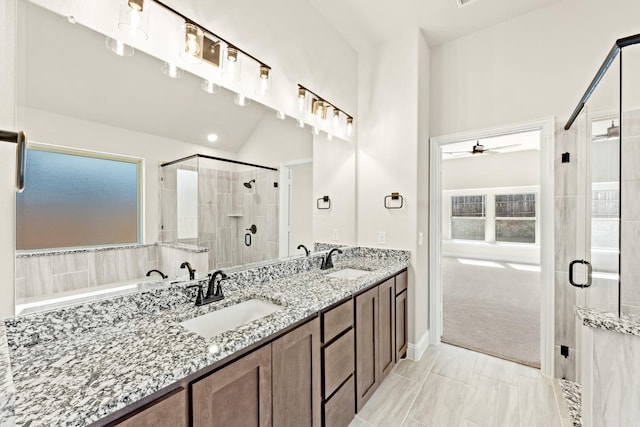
491,252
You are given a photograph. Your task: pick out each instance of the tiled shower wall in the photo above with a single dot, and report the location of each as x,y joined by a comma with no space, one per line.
226,208
42,275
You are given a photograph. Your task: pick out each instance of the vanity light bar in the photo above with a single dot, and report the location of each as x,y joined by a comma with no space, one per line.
319,107
211,48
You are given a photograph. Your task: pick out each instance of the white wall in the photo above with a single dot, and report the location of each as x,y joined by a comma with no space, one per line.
533,66
275,141
302,205
334,175
514,169
8,39
392,138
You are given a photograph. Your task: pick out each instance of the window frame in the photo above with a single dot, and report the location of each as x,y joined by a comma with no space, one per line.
517,218
138,161
483,218
490,213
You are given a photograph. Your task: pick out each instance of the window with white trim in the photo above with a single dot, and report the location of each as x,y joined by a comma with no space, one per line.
493,215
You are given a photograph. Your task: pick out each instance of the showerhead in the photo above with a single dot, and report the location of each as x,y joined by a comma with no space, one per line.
248,184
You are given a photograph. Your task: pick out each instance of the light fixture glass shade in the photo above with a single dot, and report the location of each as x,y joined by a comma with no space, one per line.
241,100
134,19
232,64
210,86
172,70
280,115
319,109
193,43
336,118
301,98
263,84
349,126
118,47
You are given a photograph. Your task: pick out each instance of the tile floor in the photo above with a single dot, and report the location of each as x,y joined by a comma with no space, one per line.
455,387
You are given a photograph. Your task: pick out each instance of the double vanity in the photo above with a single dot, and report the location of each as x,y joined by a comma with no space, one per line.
290,344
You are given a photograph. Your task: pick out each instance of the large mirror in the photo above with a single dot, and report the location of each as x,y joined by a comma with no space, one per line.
233,182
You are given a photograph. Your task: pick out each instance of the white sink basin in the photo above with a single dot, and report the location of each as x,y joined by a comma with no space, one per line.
348,273
211,324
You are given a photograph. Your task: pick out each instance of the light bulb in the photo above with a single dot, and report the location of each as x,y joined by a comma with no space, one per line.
193,42
232,54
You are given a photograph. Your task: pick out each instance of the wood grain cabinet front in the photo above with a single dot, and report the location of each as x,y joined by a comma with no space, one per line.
296,381
238,395
167,411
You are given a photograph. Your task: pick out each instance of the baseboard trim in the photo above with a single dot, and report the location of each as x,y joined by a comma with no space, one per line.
415,351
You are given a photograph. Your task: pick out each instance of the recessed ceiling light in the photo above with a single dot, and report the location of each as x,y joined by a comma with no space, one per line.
212,137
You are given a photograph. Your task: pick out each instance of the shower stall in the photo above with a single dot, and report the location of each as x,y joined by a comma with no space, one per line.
227,206
604,132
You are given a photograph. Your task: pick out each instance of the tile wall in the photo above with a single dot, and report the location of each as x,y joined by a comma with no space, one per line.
47,274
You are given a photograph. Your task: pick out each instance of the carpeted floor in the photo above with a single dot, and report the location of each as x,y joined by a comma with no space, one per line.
492,308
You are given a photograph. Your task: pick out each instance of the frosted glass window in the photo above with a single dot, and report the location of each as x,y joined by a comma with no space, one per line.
187,183
75,200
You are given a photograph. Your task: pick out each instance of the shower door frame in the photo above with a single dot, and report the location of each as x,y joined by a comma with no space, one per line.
547,226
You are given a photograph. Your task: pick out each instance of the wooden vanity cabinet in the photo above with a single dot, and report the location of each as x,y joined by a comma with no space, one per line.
296,382
338,394
167,411
401,326
378,323
236,395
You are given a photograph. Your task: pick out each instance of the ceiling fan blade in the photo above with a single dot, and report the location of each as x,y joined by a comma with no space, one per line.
502,146
456,152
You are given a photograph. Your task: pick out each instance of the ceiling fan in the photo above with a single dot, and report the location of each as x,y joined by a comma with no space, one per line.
481,149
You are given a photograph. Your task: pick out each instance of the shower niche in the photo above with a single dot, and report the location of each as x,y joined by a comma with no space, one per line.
226,206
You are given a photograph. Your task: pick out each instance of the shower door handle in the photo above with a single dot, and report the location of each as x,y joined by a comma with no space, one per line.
572,265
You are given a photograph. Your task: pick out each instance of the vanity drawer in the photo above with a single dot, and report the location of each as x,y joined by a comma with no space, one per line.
401,282
339,411
337,320
338,363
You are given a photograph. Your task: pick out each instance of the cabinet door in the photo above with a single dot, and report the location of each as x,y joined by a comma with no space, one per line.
386,328
366,346
296,377
169,411
238,395
401,326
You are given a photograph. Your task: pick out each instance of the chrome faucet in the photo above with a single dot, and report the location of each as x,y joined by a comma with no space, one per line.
164,276
327,263
192,272
306,251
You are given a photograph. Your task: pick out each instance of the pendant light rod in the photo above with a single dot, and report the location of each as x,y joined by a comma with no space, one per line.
203,28
330,104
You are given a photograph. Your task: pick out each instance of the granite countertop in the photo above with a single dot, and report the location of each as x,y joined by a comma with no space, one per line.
74,366
595,318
